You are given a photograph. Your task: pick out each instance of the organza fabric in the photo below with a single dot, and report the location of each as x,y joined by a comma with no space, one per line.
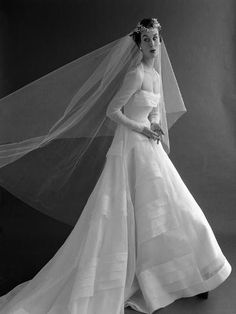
142,240
54,132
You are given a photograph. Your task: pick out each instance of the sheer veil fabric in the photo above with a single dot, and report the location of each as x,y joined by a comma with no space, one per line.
52,129
139,239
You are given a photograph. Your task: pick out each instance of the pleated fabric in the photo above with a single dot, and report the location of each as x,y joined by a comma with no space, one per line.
141,241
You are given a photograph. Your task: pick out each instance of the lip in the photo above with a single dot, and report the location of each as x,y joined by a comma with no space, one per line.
153,50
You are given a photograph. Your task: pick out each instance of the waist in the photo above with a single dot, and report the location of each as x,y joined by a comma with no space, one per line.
138,116
145,122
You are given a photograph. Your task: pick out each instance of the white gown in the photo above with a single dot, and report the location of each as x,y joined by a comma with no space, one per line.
142,239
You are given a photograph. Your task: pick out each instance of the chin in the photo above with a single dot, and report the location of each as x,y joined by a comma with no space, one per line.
153,56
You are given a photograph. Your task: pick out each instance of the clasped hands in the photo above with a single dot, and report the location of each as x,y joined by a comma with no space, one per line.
154,133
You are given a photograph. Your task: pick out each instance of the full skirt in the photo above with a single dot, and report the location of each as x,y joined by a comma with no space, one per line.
141,240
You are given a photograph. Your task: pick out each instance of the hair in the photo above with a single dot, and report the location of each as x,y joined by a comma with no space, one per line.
148,23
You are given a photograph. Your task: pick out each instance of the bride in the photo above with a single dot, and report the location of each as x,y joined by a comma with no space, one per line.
141,240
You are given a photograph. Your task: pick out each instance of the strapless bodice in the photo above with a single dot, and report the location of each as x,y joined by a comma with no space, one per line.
141,104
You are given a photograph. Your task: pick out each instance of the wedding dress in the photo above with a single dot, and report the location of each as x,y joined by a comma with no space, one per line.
141,240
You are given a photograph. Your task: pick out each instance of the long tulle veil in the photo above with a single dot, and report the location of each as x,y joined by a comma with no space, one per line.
54,133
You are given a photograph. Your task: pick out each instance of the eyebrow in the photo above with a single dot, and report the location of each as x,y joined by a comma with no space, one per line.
156,34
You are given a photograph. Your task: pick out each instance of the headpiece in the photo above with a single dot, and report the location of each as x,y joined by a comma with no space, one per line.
140,28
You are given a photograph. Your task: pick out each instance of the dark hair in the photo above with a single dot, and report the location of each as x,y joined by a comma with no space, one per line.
148,23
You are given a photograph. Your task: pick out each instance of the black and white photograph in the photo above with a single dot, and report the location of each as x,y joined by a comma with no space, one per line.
117,156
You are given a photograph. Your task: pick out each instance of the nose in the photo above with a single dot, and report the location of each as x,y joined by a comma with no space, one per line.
151,43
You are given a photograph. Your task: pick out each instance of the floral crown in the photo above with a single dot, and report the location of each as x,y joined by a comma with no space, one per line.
140,28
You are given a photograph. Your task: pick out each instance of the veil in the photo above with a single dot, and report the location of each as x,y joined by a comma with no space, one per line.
54,133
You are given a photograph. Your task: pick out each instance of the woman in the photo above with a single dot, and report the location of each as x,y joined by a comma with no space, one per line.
142,240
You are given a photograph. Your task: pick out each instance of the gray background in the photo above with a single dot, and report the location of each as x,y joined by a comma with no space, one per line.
37,37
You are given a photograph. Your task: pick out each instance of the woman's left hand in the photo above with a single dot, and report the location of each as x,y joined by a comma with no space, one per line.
156,128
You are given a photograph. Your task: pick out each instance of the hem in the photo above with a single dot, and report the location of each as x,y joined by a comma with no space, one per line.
201,287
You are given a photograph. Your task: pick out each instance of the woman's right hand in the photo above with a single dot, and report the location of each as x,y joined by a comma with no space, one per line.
150,134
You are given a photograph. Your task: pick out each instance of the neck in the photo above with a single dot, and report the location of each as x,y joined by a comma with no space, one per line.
148,62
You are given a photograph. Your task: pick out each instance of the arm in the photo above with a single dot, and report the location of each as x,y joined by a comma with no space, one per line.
154,115
154,119
132,82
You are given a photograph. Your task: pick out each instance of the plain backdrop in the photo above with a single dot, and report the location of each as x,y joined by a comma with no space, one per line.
38,36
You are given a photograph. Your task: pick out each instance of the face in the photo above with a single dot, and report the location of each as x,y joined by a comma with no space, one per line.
149,43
